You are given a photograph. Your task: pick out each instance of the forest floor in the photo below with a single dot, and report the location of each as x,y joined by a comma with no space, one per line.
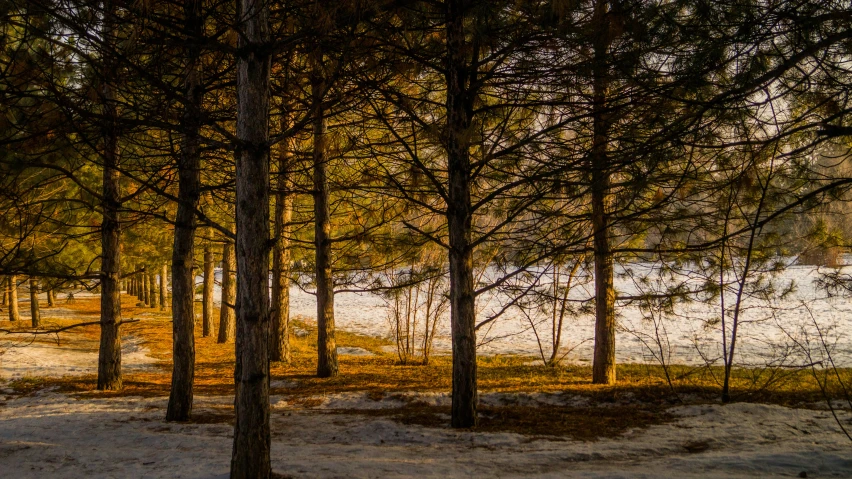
383,419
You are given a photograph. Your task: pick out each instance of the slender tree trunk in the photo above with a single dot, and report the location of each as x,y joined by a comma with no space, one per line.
109,353
189,184
163,280
227,313
326,345
459,221
279,346
14,315
5,285
130,286
146,290
140,285
207,292
34,311
152,288
252,437
603,366
51,298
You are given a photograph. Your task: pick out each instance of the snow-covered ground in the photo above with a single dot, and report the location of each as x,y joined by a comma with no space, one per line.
71,355
52,435
775,331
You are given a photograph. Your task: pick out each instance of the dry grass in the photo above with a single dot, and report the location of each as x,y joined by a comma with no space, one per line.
637,400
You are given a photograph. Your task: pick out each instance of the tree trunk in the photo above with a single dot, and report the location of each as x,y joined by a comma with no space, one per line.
152,288
252,438
207,292
163,280
140,285
146,289
51,298
14,315
4,283
189,184
109,353
279,347
227,313
459,220
326,345
603,366
34,311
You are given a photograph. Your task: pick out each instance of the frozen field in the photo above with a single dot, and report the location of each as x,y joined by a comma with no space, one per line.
775,331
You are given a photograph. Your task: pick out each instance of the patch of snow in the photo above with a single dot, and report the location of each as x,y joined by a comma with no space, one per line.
353,351
52,435
74,355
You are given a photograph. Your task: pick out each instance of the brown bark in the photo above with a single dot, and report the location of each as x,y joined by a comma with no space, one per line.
152,288
140,286
327,365
146,289
14,315
189,184
459,220
51,298
252,437
109,353
163,280
227,313
207,292
279,338
603,366
34,311
4,283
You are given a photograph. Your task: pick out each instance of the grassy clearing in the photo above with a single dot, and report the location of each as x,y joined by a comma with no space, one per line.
639,399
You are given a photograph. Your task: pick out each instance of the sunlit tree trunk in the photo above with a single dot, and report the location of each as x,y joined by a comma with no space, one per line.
164,275
279,336
227,313
152,288
603,366
207,292
34,311
51,298
326,345
252,438
14,315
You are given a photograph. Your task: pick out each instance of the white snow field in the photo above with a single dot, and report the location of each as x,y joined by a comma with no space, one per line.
778,331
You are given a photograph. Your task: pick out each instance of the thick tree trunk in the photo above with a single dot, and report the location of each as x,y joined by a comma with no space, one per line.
459,221
14,315
34,311
51,298
163,280
227,313
207,292
252,437
326,345
603,366
109,353
279,338
189,184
